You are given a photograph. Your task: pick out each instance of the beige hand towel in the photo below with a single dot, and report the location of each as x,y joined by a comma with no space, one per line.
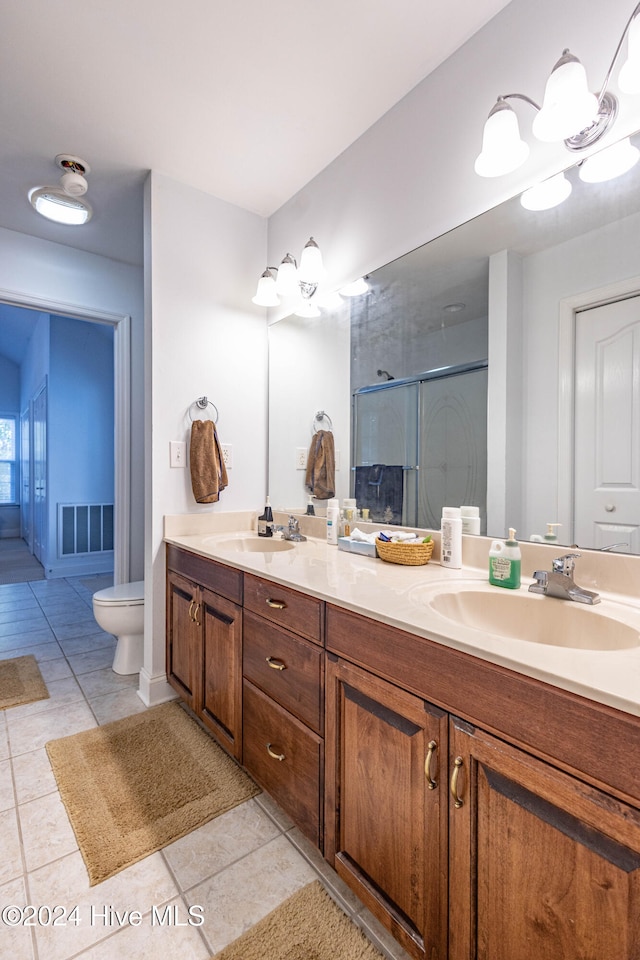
208,472
320,478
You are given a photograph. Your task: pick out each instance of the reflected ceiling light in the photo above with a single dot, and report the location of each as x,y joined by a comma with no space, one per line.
569,112
355,289
291,280
65,203
548,194
610,163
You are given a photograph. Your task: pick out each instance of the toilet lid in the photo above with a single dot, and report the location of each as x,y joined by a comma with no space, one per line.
122,595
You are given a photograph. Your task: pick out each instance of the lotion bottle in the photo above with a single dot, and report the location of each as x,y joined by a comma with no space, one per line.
505,560
333,520
265,521
470,520
451,538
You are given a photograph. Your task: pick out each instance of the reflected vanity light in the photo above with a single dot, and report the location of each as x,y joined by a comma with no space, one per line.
307,308
569,112
355,289
289,279
548,194
610,163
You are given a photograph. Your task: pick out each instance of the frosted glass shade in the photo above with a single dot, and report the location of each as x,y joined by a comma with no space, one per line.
568,107
266,294
629,77
54,204
503,150
548,194
311,269
287,281
355,289
610,163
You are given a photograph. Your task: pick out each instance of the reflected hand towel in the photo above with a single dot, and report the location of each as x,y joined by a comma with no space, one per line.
320,478
208,472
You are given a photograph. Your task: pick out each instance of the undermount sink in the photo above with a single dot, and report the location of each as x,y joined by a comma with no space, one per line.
536,619
251,544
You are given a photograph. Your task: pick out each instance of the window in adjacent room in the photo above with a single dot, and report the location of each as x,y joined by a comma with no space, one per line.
8,459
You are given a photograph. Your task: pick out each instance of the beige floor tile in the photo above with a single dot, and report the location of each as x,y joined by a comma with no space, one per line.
93,660
11,859
240,896
47,834
47,650
31,733
113,706
55,669
94,640
16,942
219,843
152,939
61,692
100,682
4,741
33,775
7,798
139,887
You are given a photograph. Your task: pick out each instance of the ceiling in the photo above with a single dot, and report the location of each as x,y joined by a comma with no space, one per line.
245,101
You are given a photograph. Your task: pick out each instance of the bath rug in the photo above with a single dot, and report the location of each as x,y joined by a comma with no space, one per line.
307,926
21,682
135,785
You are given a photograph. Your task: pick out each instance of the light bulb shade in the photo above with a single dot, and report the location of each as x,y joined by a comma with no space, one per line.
503,150
568,107
311,269
355,289
612,162
629,77
548,194
266,294
54,204
287,280
306,308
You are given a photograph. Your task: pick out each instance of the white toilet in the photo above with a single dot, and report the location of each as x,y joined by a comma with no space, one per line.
120,611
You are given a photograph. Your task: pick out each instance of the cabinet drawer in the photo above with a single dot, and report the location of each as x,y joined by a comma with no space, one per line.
288,608
286,758
287,668
216,576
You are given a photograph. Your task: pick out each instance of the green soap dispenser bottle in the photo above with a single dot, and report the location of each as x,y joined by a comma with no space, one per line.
505,562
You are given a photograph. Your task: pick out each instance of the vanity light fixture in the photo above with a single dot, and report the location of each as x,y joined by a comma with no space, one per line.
289,279
548,194
569,112
65,203
610,163
355,289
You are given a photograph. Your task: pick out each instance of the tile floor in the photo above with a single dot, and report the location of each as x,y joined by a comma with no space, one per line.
235,869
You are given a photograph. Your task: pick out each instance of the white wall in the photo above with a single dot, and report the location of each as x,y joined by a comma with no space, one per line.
33,270
204,338
10,403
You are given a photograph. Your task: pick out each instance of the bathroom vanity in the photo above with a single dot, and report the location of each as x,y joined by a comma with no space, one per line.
478,793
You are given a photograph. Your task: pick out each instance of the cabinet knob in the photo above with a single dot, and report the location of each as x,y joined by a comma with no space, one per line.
275,756
432,747
276,664
458,801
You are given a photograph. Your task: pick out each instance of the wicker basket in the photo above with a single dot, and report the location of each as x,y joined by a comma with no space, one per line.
409,554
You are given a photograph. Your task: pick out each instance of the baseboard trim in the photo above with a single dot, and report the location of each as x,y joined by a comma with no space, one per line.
155,690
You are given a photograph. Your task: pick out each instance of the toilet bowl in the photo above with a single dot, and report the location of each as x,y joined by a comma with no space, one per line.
120,611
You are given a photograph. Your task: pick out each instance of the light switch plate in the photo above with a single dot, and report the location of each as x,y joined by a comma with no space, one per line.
177,453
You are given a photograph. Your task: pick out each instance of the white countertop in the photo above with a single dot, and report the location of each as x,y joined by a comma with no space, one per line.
399,596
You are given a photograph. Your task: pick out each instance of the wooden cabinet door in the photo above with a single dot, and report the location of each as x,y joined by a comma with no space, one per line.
543,866
386,830
220,704
183,639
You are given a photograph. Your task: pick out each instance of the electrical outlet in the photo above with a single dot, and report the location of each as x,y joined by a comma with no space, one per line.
227,455
301,458
177,453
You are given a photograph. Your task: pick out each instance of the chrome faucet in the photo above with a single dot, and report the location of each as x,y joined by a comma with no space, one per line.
292,532
559,582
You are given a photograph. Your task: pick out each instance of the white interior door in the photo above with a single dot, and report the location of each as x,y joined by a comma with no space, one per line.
607,425
39,487
25,474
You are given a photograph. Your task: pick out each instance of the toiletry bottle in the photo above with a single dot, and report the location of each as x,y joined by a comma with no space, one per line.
551,536
470,520
333,520
310,509
451,538
505,562
265,521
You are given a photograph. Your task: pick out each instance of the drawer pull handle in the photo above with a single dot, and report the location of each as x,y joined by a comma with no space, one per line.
276,604
191,609
276,664
276,756
433,746
458,801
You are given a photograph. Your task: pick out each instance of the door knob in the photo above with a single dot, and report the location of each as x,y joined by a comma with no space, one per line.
610,507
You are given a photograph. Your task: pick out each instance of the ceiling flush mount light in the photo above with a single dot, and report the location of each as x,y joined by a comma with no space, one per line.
289,279
64,202
569,112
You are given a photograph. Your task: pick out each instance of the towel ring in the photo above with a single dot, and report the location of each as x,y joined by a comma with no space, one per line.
203,403
319,417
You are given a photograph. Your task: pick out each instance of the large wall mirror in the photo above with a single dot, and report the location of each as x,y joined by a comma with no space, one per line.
496,366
